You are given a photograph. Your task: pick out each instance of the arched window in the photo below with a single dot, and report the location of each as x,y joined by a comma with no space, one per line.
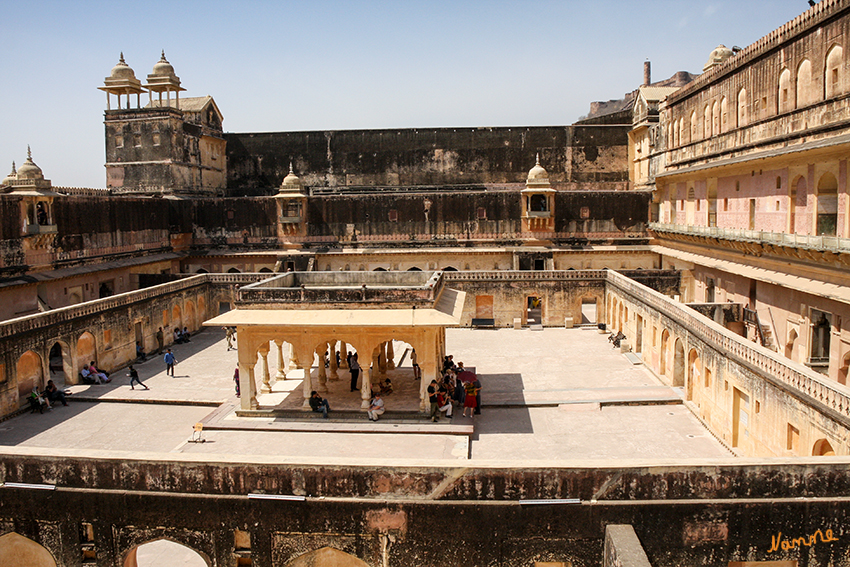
805,86
715,117
786,102
834,76
742,108
827,205
680,136
693,127
724,115
706,122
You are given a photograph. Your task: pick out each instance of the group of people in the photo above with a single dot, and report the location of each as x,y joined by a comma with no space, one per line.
181,337
90,373
48,397
458,387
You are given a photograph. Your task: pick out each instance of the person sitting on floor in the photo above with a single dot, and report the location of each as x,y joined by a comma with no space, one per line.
376,408
178,336
318,404
185,335
103,376
89,376
387,386
54,394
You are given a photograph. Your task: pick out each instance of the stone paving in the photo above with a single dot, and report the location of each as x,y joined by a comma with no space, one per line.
552,395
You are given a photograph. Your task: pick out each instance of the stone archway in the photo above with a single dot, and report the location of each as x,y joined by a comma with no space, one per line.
662,355
19,551
189,320
61,362
164,552
29,374
327,557
176,317
86,350
679,364
694,372
822,448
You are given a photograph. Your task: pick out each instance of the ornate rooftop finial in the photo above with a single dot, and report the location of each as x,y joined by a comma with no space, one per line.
163,55
290,167
29,153
13,167
538,159
121,58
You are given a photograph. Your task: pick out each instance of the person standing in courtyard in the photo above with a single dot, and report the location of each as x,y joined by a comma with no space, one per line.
228,334
236,380
170,361
469,399
432,398
354,368
477,384
160,341
134,377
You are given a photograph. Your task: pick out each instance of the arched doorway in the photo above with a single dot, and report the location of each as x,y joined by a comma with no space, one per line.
827,205
233,271
534,310
694,374
202,309
789,345
202,271
176,317
662,355
190,320
843,369
60,363
326,557
822,448
449,269
679,364
414,269
19,551
164,552
265,271
86,350
379,269
29,374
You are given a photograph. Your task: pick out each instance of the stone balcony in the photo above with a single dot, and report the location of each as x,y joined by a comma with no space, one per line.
832,244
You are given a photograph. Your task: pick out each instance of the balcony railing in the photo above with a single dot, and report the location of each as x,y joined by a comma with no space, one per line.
830,243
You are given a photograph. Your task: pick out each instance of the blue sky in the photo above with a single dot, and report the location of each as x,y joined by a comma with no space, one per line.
316,65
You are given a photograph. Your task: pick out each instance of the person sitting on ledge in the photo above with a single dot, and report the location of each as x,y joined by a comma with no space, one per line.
319,404
54,394
376,408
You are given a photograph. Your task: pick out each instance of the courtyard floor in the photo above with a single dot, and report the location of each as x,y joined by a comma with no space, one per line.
554,395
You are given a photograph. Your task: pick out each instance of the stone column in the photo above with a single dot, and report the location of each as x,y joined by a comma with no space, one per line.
305,353
322,375
252,387
390,356
365,387
281,372
264,357
334,375
376,362
343,355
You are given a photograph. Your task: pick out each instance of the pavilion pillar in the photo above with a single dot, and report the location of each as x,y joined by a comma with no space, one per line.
323,377
281,372
429,363
264,357
343,355
365,387
305,353
247,384
390,356
334,375
375,369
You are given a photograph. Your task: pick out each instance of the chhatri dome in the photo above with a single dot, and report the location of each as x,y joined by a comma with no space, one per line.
537,173
11,177
122,70
720,54
162,68
29,170
291,182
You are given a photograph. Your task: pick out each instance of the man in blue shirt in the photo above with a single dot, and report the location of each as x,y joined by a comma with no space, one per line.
170,361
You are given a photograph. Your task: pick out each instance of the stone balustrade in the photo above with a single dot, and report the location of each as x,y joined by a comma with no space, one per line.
766,363
804,241
29,323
